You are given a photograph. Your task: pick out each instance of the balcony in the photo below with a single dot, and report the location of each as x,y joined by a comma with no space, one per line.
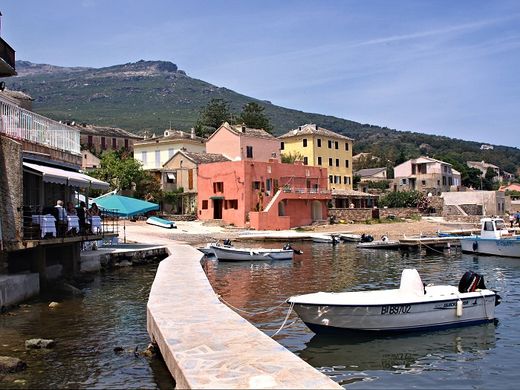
7,61
30,127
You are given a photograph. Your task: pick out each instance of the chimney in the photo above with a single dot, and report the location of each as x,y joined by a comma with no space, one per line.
243,127
192,133
299,127
316,127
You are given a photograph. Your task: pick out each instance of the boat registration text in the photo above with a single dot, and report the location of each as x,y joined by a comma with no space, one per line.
395,309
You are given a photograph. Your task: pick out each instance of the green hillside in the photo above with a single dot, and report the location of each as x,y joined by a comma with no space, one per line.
151,95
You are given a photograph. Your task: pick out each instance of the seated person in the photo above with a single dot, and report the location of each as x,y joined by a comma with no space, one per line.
71,210
94,211
81,212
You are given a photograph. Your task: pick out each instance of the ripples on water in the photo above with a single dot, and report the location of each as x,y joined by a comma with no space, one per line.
112,314
481,356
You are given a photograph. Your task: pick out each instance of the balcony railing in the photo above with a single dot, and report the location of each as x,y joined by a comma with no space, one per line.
7,53
321,191
25,125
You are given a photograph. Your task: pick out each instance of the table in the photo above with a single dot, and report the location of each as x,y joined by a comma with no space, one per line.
72,223
95,224
47,224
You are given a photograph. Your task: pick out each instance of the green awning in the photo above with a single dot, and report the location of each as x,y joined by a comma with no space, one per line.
216,197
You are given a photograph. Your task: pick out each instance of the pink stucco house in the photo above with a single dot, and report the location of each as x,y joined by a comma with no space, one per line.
265,195
238,142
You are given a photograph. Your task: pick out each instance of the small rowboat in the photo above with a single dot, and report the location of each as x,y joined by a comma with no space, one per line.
161,222
411,307
325,239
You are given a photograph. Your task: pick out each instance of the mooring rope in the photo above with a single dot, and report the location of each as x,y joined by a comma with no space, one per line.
248,312
286,318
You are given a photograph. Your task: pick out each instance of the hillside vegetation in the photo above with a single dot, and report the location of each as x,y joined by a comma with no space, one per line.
152,95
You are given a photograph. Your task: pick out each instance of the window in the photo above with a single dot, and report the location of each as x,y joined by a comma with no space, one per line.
170,177
256,185
346,145
268,184
319,142
444,180
305,161
126,143
319,160
157,158
171,152
204,205
249,151
345,178
346,163
337,179
114,143
336,145
103,143
90,140
305,142
144,157
282,145
330,144
330,162
231,204
218,186
450,181
423,182
403,181
330,179
337,162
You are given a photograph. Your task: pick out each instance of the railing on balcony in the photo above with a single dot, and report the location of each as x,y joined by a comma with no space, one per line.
321,191
25,125
7,53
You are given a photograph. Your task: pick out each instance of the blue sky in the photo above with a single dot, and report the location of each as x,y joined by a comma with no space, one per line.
440,67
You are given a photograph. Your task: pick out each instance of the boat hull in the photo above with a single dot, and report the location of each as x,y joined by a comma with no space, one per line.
252,254
508,247
164,223
401,317
379,244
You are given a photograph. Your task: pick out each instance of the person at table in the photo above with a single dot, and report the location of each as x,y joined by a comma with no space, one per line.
81,212
61,220
71,210
94,211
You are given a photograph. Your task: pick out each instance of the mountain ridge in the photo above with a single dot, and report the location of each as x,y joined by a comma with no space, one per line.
154,95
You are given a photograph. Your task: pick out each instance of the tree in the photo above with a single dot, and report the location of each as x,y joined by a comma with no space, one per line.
253,116
119,169
488,182
212,116
401,199
290,158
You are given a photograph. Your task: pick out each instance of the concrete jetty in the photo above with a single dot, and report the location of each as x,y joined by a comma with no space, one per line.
207,345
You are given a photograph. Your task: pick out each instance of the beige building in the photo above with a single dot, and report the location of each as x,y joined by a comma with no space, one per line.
322,148
180,173
154,152
426,175
89,160
98,139
483,203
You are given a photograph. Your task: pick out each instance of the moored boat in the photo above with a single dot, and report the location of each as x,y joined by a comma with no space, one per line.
411,307
252,254
325,239
351,237
494,239
383,243
161,222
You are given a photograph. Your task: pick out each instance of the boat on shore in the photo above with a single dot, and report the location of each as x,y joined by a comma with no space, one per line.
325,239
494,239
227,253
383,243
161,222
411,307
350,237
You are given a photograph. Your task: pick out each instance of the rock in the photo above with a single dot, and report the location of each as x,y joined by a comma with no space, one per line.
53,305
118,349
39,343
124,263
150,351
11,364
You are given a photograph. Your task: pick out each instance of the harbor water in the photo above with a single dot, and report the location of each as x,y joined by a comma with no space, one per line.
112,314
481,356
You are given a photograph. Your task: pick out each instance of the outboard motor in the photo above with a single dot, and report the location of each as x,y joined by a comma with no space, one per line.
366,238
227,242
289,247
470,282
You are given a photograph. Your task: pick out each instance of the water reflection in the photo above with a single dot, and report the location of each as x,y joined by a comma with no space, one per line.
364,352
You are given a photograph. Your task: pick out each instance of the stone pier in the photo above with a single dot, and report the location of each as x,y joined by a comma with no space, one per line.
207,345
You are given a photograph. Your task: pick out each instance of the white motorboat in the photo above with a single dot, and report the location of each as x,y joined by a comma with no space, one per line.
379,244
411,307
161,222
494,239
351,237
251,254
325,239
208,248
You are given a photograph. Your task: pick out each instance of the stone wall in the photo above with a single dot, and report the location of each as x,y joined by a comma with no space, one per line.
362,215
11,190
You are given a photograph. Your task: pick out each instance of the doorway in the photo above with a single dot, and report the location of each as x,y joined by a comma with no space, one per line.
217,208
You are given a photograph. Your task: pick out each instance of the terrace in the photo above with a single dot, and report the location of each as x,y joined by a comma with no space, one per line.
7,59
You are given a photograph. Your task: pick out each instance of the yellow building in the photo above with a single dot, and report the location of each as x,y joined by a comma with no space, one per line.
322,148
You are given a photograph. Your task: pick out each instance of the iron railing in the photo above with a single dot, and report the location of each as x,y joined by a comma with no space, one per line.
22,124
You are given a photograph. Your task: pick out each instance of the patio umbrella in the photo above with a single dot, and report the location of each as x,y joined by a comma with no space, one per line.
124,206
